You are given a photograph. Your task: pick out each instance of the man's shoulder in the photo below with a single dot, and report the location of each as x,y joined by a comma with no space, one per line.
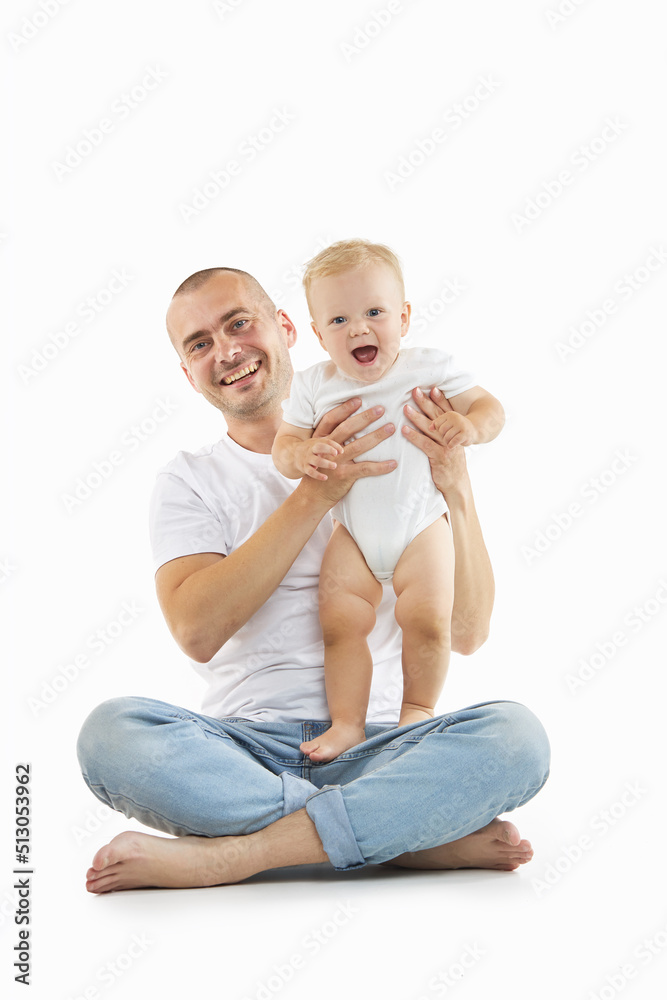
192,465
188,459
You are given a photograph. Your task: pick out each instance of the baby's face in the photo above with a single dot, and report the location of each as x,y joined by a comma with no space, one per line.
359,317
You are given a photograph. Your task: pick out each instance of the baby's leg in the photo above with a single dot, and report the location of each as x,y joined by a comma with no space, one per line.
349,595
424,585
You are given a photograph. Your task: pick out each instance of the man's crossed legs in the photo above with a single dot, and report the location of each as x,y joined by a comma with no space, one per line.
241,798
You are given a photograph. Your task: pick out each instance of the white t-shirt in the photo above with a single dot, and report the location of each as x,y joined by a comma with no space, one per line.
383,513
213,500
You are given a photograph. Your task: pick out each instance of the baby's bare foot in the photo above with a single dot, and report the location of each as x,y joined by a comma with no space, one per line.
341,736
139,860
498,845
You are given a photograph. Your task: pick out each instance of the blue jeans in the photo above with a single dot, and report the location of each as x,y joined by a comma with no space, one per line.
402,790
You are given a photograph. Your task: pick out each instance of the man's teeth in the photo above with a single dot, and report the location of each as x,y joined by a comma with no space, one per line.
237,375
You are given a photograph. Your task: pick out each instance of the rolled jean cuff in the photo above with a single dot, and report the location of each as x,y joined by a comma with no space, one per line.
327,810
295,792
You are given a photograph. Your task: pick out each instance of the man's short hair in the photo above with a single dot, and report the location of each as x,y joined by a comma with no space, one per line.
199,278
347,255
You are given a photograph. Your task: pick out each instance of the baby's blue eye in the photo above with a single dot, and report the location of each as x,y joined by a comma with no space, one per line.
373,312
338,319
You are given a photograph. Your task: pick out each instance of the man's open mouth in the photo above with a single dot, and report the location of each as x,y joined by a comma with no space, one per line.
365,355
241,374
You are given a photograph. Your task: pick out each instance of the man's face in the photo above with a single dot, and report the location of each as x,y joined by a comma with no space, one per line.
359,317
234,347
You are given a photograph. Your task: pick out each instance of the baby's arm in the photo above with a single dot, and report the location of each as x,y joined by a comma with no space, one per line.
477,417
297,453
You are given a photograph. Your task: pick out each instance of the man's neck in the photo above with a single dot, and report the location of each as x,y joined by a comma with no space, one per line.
255,435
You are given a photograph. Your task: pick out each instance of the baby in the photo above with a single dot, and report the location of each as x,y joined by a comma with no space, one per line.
386,528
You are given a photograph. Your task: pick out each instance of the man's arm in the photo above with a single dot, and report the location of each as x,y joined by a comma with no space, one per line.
474,587
206,598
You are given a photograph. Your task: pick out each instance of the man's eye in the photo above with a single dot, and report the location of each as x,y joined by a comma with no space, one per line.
202,343
239,324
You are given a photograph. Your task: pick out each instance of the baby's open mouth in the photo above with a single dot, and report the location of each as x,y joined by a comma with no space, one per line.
365,355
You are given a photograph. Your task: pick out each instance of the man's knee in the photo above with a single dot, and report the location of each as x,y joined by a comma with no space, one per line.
105,731
522,737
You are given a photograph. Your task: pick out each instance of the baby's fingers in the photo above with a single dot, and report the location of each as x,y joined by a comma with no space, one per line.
322,463
440,423
312,473
453,437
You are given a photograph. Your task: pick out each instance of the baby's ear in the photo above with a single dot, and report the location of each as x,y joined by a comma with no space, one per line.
317,334
405,318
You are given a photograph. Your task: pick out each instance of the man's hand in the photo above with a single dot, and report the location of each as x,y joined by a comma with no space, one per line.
341,425
448,464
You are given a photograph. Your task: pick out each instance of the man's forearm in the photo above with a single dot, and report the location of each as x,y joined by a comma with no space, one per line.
474,587
283,454
473,577
214,602
205,604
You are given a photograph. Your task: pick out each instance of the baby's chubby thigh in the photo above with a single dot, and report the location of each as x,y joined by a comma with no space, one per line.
424,579
349,594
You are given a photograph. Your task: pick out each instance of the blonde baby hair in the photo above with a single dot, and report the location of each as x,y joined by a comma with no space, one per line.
347,255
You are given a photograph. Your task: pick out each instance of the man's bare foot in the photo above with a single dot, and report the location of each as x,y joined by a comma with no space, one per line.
340,736
498,845
139,860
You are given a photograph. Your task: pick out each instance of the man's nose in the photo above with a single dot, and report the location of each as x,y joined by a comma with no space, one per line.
227,348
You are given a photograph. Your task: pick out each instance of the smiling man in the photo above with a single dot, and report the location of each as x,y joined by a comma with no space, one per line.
238,549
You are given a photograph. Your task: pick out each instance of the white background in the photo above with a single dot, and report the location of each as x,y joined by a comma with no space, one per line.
362,99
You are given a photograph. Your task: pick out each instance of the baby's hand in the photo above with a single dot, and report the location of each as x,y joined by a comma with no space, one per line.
311,455
454,428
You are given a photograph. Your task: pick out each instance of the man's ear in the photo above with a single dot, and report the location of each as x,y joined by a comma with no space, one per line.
189,378
287,326
317,334
406,312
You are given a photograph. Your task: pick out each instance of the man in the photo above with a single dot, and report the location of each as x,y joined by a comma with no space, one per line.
237,552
